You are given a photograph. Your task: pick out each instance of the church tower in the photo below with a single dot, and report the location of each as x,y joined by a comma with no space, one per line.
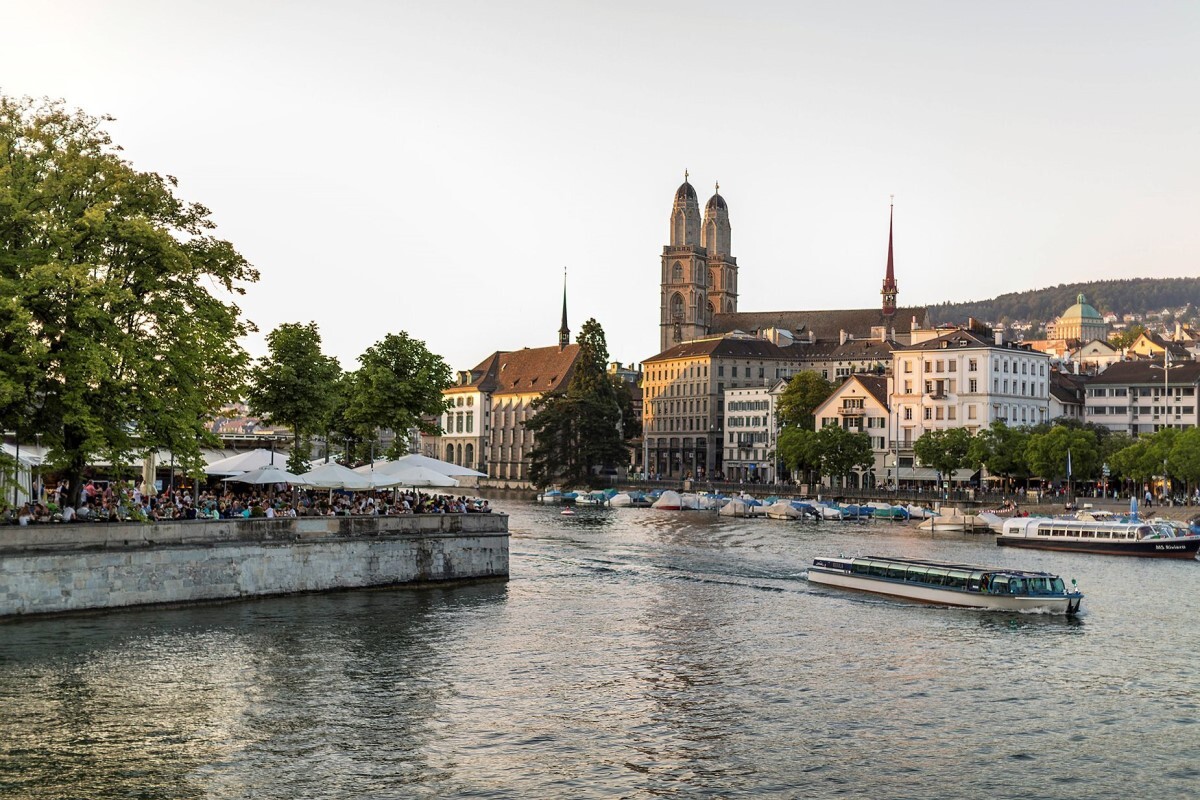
683,300
889,280
564,333
722,267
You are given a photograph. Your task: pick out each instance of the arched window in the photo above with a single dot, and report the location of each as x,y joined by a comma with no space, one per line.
710,311
677,272
677,306
470,462
449,452
470,423
459,459
713,280
729,306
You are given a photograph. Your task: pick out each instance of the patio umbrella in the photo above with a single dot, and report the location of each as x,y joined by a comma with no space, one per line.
242,462
335,476
437,465
269,475
417,477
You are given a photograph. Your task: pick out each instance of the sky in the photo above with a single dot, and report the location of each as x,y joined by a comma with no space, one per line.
434,167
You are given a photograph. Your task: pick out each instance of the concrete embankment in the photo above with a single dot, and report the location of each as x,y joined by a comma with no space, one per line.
48,569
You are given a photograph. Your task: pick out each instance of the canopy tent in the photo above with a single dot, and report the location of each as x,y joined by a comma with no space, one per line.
334,476
246,462
269,475
415,476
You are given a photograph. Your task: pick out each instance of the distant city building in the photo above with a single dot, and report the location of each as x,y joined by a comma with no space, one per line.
1066,396
1079,323
1138,397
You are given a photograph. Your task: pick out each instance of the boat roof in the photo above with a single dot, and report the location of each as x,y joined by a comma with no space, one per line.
924,562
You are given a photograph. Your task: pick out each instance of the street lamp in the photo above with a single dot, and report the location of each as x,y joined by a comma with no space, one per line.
1166,370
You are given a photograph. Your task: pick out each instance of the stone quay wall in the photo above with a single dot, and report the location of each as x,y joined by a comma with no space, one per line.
55,568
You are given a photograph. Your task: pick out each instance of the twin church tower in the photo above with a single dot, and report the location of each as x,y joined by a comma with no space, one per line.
700,274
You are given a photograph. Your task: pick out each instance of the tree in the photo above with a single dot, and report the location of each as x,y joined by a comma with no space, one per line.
110,319
295,385
842,451
1047,452
947,451
1125,338
1184,457
397,386
579,430
797,449
804,392
1002,450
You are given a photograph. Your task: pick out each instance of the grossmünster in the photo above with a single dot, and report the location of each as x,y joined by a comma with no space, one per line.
707,345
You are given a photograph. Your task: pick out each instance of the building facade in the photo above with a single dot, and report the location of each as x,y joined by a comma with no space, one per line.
752,433
961,379
860,405
1137,397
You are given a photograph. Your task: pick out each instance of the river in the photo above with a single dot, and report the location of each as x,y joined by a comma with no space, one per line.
633,654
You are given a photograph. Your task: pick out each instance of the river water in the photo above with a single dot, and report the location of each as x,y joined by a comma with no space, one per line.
634,653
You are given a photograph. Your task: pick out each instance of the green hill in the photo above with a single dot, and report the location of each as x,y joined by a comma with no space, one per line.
1131,296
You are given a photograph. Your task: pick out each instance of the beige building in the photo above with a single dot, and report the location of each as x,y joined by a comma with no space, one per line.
683,398
860,405
1079,323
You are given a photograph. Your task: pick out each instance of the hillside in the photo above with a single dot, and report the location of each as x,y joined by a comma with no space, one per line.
1139,296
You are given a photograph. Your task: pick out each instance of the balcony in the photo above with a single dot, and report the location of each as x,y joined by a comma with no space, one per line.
901,446
844,411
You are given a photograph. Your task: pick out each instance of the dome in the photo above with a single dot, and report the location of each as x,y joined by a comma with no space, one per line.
716,202
1081,311
685,191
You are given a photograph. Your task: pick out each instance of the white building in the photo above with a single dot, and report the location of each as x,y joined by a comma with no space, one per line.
963,379
1142,396
752,432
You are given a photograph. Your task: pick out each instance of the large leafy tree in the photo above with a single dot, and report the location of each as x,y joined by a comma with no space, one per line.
580,429
947,451
842,451
1002,450
1047,452
1184,457
295,385
118,330
797,449
398,386
805,391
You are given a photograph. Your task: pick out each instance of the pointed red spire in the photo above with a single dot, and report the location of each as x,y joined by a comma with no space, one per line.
889,280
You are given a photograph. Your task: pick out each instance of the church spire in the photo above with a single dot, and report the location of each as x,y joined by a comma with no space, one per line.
889,281
564,333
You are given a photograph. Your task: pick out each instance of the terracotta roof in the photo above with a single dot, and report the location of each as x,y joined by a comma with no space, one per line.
823,324
1148,372
726,347
536,369
965,338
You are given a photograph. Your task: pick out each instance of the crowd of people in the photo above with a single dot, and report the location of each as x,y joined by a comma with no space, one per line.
132,503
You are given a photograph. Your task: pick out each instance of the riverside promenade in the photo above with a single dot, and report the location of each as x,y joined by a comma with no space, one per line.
56,568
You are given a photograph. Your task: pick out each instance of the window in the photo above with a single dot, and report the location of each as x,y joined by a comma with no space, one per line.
928,413
908,412
908,366
951,413
952,366
677,273
970,412
929,366
908,387
972,365
974,385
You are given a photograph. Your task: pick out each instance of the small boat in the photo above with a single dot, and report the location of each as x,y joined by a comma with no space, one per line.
783,510
1146,538
633,499
919,512
568,512
953,519
830,512
949,584
884,511
551,497
592,499
669,501
736,507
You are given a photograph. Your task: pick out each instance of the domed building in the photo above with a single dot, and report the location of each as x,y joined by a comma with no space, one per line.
1081,322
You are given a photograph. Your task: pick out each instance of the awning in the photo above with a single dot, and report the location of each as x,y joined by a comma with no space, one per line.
931,475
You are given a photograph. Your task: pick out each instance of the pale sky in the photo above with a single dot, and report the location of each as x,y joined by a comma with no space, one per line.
432,167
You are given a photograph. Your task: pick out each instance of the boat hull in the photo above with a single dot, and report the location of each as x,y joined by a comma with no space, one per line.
945,597
1144,548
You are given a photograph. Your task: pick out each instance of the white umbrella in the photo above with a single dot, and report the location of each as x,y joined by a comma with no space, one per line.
243,462
269,475
417,476
437,465
335,476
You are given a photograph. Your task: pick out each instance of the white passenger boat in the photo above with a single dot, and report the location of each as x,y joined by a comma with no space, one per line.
944,583
1148,538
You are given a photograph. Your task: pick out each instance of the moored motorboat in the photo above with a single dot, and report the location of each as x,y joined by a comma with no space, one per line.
783,510
669,501
1145,538
945,583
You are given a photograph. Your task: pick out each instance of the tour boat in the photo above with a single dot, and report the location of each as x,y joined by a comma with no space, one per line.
949,584
1147,538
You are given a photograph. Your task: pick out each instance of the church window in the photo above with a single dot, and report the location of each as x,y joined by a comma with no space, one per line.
677,273
713,278
677,306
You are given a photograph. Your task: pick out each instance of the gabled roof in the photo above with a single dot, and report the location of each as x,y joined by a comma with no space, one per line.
1066,388
532,370
850,350
726,347
823,324
876,385
1148,372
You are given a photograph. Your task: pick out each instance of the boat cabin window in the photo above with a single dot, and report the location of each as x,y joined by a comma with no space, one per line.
896,572
1016,586
916,574
999,584
957,579
1144,531
935,577
1056,585
1103,535
1058,532
1118,535
1043,532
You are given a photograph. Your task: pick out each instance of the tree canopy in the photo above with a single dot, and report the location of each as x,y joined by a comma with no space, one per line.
397,386
947,450
118,330
805,391
295,385
579,430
